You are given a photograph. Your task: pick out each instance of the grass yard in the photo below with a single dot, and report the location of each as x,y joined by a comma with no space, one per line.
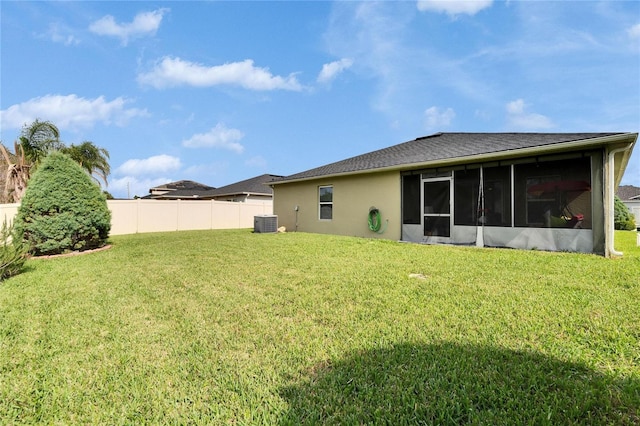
236,328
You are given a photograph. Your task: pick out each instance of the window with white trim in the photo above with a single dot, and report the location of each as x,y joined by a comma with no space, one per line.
325,197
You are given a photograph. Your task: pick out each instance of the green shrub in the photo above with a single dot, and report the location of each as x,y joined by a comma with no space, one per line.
13,253
62,210
623,218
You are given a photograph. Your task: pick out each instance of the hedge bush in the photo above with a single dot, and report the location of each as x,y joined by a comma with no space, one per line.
62,209
623,218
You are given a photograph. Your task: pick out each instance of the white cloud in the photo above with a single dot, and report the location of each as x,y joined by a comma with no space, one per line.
454,7
130,186
145,23
372,34
331,70
153,165
218,137
376,35
171,72
59,33
70,112
515,107
436,118
520,119
634,31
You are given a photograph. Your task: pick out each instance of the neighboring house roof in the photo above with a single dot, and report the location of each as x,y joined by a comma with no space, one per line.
179,189
188,185
181,194
258,185
449,148
628,192
185,189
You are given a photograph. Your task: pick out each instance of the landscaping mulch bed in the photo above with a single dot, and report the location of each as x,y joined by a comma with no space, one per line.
73,253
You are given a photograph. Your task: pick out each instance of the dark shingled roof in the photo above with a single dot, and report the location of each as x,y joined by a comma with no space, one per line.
182,194
628,192
179,189
186,189
188,185
442,147
255,185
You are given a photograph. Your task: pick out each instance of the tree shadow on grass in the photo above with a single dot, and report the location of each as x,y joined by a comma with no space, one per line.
447,383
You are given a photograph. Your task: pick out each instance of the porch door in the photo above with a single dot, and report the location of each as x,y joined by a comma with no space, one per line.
436,209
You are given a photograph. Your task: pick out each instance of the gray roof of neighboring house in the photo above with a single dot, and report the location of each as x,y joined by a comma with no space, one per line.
187,185
255,185
179,189
444,147
182,194
628,192
185,189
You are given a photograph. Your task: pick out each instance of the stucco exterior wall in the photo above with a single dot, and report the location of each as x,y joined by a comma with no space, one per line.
352,197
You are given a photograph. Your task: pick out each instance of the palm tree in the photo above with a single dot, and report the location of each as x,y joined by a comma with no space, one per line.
93,159
38,139
17,173
34,143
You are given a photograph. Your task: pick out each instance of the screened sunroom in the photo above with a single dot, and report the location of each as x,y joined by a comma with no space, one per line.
535,202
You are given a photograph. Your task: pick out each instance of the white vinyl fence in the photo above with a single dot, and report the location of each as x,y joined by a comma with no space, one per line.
138,216
8,212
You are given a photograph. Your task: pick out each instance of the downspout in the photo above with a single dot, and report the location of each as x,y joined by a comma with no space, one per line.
610,203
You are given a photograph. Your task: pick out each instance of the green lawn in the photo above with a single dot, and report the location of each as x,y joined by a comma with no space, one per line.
234,328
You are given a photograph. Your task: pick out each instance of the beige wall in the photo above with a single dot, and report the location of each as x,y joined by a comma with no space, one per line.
138,216
352,198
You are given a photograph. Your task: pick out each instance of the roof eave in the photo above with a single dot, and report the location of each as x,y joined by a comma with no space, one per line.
628,138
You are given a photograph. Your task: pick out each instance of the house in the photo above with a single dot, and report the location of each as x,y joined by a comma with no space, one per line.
253,189
630,196
547,191
180,190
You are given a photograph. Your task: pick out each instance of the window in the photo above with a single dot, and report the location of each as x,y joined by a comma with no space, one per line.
325,194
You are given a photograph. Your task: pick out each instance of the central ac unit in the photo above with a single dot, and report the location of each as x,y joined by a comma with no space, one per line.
265,223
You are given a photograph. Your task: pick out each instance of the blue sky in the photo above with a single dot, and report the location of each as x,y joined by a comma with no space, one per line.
218,91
